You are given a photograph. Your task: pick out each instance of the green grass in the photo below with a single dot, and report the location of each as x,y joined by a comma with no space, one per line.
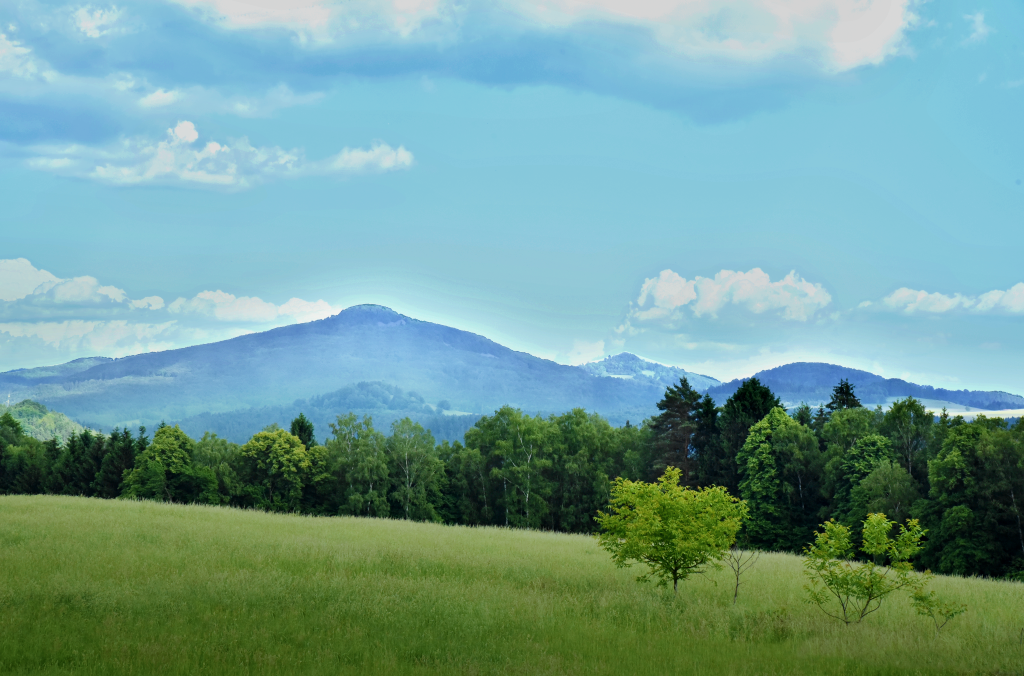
112,587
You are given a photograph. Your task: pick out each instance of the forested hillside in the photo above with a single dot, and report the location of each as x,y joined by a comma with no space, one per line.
39,422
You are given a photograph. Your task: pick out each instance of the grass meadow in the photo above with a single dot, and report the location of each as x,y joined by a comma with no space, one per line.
90,586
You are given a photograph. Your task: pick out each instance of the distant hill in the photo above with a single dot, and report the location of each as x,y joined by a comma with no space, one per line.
812,382
365,343
40,422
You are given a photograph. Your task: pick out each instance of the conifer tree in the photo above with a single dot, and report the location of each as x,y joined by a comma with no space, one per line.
843,397
303,429
673,430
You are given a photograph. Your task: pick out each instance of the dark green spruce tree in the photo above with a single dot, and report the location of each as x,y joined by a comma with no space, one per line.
119,458
672,431
843,397
303,429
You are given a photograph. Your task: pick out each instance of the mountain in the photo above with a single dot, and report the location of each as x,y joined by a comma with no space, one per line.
812,382
631,367
373,361
365,343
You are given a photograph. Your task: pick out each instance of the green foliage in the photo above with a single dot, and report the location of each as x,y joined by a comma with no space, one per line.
416,471
41,423
273,466
910,427
938,610
843,397
673,429
888,489
848,590
118,460
302,428
777,465
675,531
164,471
357,459
747,406
517,447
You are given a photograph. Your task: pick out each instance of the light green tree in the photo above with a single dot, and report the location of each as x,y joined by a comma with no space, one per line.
849,590
778,466
417,471
164,471
674,531
274,466
359,453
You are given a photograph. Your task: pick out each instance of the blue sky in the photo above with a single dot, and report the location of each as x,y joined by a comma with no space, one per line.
724,186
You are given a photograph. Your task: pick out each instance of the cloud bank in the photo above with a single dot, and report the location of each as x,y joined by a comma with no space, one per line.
791,297
88,73
910,301
45,319
177,159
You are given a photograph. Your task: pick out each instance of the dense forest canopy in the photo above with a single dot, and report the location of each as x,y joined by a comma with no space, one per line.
963,480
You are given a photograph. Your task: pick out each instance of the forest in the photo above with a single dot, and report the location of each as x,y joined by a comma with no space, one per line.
794,470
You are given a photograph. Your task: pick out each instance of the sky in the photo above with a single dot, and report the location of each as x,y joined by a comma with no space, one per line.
721,185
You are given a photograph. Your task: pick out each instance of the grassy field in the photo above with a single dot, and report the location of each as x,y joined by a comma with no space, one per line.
111,587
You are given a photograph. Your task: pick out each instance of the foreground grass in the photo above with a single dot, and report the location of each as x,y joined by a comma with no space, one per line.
112,587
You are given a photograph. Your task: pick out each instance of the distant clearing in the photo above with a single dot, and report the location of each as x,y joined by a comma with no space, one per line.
115,587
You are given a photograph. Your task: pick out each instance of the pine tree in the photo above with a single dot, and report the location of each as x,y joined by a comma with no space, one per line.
707,443
119,458
843,397
673,431
303,429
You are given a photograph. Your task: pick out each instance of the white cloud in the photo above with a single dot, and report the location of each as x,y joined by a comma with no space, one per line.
97,337
45,319
583,352
795,297
16,59
237,164
837,34
380,157
149,302
96,22
19,278
227,307
159,98
979,29
911,301
21,282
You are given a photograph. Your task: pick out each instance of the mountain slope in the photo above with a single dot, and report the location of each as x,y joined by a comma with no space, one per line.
362,343
812,382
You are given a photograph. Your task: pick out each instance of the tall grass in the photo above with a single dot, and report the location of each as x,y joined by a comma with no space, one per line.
113,587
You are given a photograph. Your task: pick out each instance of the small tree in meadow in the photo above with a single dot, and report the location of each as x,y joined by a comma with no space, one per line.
675,531
849,590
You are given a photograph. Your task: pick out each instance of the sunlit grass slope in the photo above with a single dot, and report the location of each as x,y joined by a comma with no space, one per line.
113,587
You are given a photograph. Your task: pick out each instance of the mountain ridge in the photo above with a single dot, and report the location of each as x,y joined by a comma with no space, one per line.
428,362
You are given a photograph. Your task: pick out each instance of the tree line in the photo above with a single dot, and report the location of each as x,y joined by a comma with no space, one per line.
793,470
